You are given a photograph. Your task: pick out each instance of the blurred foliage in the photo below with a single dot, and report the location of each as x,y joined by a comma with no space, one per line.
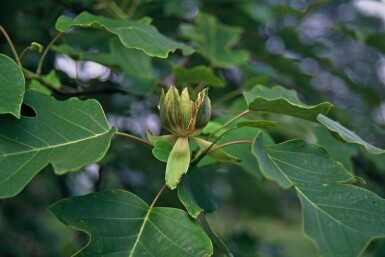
325,50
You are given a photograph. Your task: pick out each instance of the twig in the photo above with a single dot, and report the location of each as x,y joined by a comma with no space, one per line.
227,123
134,137
38,70
11,45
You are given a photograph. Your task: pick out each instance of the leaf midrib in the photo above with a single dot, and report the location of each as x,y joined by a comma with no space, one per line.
53,146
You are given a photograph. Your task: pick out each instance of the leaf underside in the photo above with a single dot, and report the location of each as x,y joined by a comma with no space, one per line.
132,34
66,134
283,101
122,225
340,218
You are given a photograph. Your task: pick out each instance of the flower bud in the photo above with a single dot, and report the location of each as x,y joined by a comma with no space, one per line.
180,115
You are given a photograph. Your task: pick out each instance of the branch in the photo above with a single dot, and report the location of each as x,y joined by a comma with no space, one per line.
11,45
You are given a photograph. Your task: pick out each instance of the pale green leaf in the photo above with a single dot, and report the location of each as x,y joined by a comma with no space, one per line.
11,86
215,41
283,101
162,150
132,34
178,162
66,134
194,194
340,218
347,135
197,75
51,78
219,154
122,225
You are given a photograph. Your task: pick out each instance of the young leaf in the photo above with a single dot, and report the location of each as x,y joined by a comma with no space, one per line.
215,40
121,224
340,218
178,162
198,74
347,135
11,86
162,150
132,34
66,134
219,154
283,101
193,193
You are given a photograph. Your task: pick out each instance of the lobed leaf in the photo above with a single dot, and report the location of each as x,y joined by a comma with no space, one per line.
283,101
122,225
197,75
214,41
340,218
132,34
11,86
66,134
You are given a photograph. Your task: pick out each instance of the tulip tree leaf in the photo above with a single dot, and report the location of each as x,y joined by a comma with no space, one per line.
11,86
283,101
219,154
121,224
193,193
214,41
340,218
220,249
66,134
197,75
132,34
347,135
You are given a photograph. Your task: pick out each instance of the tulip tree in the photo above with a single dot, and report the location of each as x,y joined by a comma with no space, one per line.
272,136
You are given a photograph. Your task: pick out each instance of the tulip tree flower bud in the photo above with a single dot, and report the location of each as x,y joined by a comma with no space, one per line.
184,118
181,116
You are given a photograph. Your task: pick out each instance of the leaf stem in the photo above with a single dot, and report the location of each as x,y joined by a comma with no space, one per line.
134,137
227,123
23,52
133,7
157,197
231,143
39,66
11,45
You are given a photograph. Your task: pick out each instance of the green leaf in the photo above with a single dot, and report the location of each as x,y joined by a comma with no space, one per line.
162,150
219,154
214,41
262,124
347,135
193,193
178,162
11,86
132,34
220,249
122,225
283,101
50,78
340,218
66,134
198,74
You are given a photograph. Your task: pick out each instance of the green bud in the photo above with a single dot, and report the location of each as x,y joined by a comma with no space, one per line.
180,115
36,47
